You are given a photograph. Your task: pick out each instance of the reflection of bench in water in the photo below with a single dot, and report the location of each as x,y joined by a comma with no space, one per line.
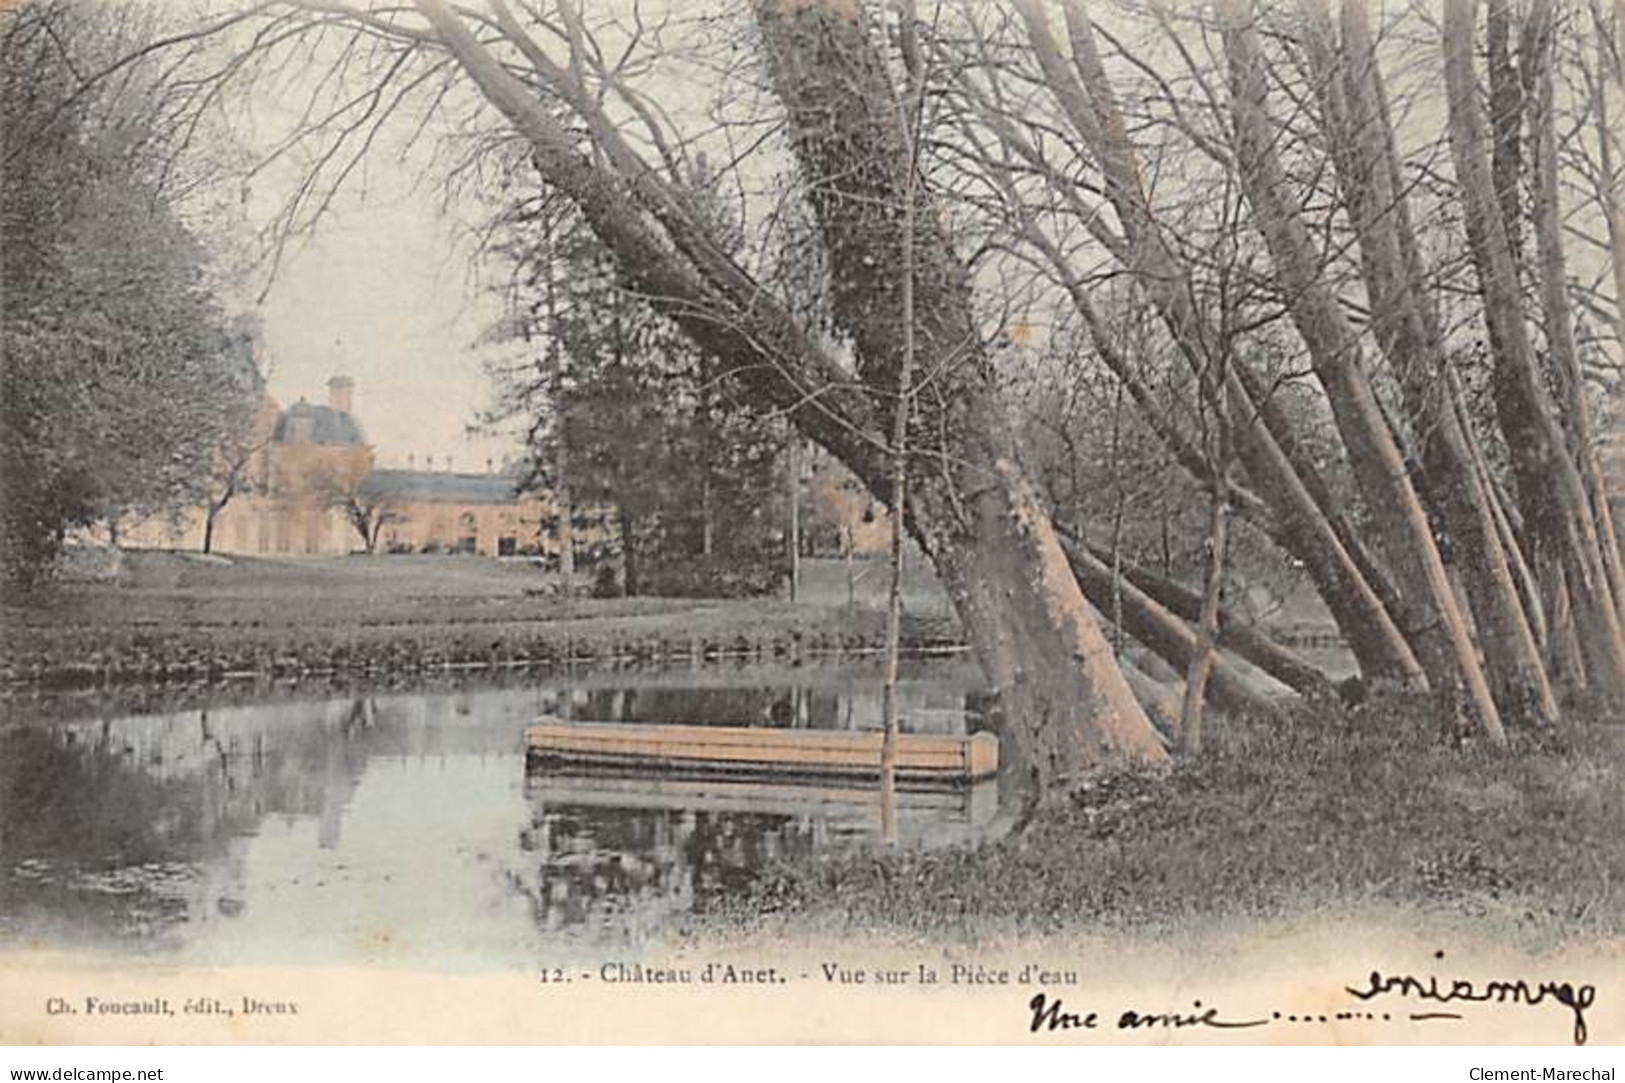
923,759
971,805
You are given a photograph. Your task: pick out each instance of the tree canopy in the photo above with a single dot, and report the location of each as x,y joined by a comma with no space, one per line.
122,372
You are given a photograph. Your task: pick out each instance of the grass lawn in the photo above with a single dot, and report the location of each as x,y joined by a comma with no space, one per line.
1359,812
177,611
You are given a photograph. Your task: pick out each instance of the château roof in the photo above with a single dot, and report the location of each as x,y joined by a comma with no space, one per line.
427,486
327,425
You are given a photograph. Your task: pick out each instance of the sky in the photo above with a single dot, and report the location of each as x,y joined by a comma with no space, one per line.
383,291
382,294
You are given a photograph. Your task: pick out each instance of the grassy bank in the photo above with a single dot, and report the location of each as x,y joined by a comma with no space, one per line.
1366,811
176,617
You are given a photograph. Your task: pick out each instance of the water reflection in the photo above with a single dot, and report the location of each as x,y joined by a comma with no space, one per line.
401,826
619,850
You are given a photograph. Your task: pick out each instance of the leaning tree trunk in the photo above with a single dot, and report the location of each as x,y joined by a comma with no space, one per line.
1235,635
1167,636
972,509
971,505
1248,643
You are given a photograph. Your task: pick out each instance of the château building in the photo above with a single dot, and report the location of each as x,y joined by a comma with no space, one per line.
307,483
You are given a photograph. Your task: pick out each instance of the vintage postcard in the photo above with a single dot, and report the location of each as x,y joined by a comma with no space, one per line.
1078,522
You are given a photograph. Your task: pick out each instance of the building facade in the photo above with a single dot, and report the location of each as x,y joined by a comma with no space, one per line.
423,511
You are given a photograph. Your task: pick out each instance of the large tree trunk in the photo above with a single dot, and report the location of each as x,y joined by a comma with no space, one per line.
1563,659
1506,122
971,505
971,508
1523,576
1162,700
1550,490
1610,68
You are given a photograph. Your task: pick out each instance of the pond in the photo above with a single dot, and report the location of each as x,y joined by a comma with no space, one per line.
400,825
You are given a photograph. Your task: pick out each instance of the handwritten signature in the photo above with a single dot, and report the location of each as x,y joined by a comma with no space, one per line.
1576,998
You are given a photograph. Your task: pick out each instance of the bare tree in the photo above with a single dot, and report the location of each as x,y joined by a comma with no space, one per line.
232,476
367,507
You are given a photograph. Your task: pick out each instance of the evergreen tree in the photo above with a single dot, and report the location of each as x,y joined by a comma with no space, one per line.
643,428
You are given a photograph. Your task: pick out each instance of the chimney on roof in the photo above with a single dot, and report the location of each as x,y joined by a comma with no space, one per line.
448,464
490,466
411,460
428,462
339,390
